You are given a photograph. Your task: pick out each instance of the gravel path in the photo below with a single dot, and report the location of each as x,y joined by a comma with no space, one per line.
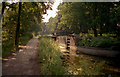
24,62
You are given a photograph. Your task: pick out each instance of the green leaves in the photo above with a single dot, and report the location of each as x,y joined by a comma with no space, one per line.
81,17
30,21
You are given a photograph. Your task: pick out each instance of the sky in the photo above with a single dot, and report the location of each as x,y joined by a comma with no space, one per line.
52,13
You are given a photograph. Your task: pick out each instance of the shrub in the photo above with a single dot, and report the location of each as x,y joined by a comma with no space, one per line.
7,47
101,42
85,40
25,38
104,41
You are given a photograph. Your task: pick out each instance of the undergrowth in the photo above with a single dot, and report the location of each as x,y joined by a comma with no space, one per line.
9,45
100,41
85,65
49,57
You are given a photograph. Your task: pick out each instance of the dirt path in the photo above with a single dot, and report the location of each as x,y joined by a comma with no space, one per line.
24,62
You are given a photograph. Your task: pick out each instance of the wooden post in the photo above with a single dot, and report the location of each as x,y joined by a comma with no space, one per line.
68,43
69,38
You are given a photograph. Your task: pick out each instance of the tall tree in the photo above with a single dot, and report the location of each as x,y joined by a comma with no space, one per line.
3,7
18,25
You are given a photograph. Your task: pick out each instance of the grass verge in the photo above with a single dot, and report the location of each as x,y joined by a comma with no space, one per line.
49,57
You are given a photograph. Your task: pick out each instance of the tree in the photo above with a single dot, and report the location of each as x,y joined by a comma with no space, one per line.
74,16
83,17
18,26
20,21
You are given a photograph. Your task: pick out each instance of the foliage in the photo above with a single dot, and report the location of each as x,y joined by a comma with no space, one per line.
81,17
85,40
30,22
85,65
49,55
7,47
24,39
103,42
74,15
52,24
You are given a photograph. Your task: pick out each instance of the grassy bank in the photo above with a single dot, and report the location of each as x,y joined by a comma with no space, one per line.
49,57
85,65
105,41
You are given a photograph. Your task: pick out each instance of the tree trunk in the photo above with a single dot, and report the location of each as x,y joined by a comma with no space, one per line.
118,31
100,33
18,26
94,16
95,32
101,30
80,29
3,7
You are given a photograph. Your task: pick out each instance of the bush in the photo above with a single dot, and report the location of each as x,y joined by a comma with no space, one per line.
49,56
101,42
85,40
7,47
104,41
25,38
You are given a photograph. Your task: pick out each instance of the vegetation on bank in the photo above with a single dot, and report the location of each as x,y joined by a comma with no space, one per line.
52,64
49,57
8,45
105,41
85,65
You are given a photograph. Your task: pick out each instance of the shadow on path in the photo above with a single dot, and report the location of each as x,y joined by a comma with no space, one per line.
24,62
